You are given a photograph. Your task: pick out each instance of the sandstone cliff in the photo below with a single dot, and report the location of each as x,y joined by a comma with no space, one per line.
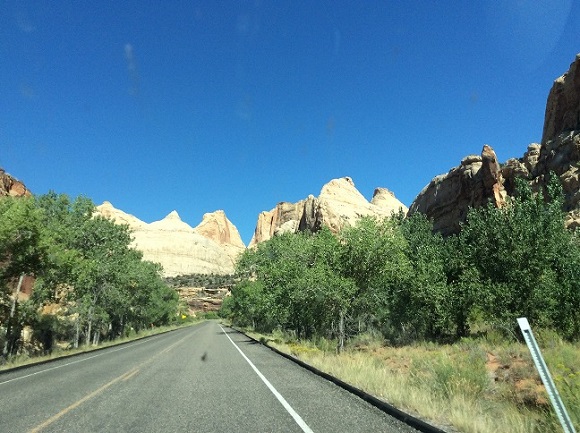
480,179
447,198
109,211
178,247
338,205
563,106
10,186
217,227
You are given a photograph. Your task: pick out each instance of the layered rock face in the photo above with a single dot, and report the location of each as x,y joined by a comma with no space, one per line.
178,247
479,180
12,187
338,205
202,299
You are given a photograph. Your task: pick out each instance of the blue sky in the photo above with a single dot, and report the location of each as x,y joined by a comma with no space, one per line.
237,105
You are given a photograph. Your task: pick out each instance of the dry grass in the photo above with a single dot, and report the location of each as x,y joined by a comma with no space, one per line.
472,386
25,359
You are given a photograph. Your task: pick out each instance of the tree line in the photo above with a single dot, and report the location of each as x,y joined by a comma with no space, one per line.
398,277
207,281
89,282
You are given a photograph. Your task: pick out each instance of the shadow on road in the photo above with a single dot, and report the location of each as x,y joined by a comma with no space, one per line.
246,339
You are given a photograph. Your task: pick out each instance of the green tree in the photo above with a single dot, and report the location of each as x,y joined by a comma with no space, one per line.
373,256
22,250
293,282
104,283
424,301
528,263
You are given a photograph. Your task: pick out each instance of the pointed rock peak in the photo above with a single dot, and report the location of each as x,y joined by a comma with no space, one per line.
340,182
217,227
342,189
173,215
382,192
172,222
107,206
107,210
218,214
386,200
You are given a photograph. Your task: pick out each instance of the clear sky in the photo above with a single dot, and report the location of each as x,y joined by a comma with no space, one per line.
196,106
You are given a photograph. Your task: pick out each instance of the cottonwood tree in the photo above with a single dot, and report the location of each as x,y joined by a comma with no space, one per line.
528,263
373,256
22,249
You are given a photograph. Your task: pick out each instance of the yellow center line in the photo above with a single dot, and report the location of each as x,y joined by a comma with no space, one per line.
124,377
55,417
130,374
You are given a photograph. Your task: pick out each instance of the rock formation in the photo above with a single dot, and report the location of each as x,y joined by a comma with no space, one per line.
218,228
479,180
448,197
561,156
109,211
563,106
199,299
338,205
10,186
178,247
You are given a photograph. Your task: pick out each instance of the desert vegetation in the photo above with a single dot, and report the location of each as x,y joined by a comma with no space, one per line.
89,283
455,300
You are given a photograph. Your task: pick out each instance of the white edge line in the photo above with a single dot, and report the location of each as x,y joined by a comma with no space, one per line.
281,399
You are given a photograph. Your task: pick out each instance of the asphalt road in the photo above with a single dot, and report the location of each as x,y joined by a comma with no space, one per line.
203,378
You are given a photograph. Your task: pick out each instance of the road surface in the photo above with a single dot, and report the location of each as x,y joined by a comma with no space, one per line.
203,378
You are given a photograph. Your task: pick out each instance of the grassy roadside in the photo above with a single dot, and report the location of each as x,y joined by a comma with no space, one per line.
474,386
25,359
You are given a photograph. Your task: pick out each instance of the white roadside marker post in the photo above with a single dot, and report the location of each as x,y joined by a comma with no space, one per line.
545,376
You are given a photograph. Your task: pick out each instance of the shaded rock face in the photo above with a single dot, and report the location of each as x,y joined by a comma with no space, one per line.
176,245
521,167
563,106
562,157
9,186
339,204
199,299
448,197
479,180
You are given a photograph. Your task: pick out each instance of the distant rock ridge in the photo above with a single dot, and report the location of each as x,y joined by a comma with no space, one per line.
339,204
178,247
479,180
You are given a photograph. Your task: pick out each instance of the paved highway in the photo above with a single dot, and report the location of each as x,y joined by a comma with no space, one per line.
203,378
